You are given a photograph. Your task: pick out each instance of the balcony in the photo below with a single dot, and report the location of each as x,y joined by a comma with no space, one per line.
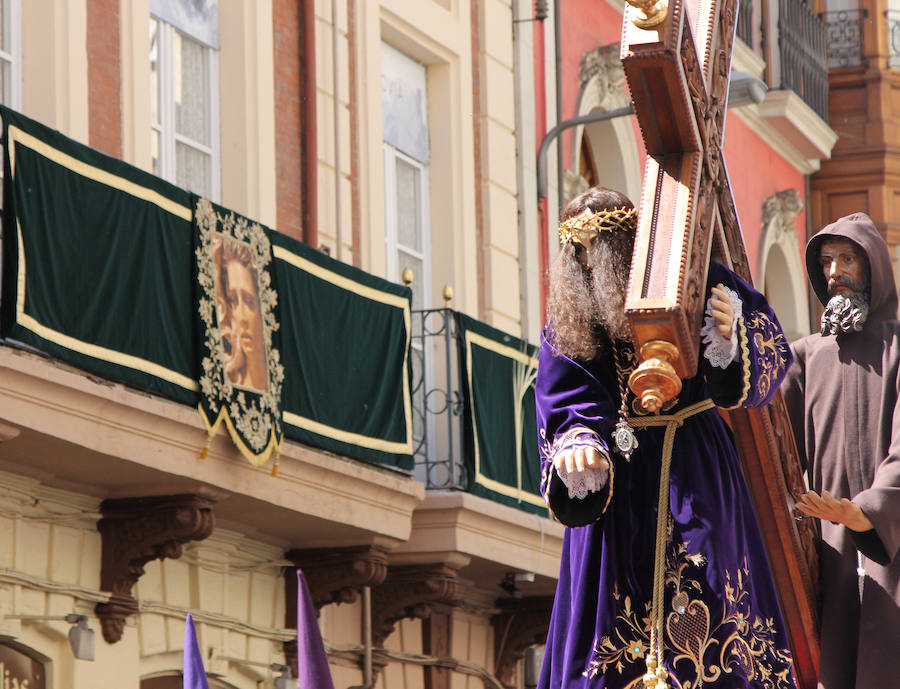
802,53
474,427
893,28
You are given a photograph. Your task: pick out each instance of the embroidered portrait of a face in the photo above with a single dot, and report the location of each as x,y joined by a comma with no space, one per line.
239,314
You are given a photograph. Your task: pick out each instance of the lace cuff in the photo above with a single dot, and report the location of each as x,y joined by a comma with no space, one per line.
580,483
719,351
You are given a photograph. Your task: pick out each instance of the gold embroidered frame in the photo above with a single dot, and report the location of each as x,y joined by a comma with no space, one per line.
252,415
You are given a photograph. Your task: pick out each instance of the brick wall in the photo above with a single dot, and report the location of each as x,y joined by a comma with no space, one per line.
104,77
288,158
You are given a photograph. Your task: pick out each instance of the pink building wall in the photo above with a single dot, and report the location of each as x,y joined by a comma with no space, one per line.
756,170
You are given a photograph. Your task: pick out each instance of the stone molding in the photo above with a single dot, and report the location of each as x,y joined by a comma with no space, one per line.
319,499
521,623
135,531
604,67
778,213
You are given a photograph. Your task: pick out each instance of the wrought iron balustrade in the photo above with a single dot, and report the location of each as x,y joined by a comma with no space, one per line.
844,37
745,22
802,50
437,400
893,27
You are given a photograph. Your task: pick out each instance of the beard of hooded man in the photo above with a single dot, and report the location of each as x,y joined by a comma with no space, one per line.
586,303
846,273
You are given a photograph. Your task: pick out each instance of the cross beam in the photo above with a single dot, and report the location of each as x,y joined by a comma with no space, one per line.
679,86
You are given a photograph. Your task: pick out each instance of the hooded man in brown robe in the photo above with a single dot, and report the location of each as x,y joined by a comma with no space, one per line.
842,394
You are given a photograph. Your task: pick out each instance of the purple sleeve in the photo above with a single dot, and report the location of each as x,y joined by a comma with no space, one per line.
573,408
763,354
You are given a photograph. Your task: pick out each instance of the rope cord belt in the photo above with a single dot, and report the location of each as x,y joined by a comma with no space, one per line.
656,672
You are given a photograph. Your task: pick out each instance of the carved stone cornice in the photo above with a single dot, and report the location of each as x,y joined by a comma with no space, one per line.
133,532
520,623
603,66
335,575
410,591
778,213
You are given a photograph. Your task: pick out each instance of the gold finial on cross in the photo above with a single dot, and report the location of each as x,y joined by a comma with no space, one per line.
654,12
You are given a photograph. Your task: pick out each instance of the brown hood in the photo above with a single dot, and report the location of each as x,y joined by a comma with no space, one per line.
860,230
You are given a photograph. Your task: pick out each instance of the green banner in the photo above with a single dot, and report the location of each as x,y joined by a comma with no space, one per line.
97,264
100,271
502,459
345,345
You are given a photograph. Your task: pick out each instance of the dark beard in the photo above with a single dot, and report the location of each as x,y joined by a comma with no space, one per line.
845,313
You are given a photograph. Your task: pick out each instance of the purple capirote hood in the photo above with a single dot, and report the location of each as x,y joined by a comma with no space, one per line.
859,229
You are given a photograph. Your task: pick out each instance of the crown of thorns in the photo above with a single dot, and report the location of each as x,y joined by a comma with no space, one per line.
580,227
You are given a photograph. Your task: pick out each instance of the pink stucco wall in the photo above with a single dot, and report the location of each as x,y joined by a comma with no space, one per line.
757,171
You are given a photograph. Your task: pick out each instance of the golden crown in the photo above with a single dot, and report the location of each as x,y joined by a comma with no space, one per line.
580,227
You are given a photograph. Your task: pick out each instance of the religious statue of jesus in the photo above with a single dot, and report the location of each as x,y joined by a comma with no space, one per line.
664,580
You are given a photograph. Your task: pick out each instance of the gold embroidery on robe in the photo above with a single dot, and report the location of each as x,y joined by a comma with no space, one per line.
771,351
702,645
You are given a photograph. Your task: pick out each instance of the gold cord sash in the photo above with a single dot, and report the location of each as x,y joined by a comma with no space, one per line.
656,677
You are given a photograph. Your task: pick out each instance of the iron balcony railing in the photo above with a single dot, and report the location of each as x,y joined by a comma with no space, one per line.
802,49
745,23
844,37
437,400
893,27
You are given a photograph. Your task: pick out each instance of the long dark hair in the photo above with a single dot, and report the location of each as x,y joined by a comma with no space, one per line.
585,307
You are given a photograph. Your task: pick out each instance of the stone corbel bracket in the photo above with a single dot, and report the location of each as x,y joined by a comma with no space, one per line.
410,591
520,623
135,531
333,575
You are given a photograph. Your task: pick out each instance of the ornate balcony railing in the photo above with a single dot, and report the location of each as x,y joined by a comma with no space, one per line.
844,37
893,26
474,426
745,23
802,48
437,400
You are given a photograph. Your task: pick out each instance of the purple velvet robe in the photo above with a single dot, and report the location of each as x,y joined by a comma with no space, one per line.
723,625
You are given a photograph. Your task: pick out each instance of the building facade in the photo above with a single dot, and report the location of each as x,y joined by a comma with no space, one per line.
399,138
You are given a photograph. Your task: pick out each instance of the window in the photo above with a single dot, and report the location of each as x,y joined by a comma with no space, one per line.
406,171
405,183
184,94
10,62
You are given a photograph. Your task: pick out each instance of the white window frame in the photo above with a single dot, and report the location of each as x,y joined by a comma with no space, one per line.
165,128
422,283
14,55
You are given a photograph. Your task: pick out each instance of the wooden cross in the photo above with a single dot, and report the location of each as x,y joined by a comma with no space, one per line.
679,85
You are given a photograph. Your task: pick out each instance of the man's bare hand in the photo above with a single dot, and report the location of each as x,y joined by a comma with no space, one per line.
720,305
842,511
579,459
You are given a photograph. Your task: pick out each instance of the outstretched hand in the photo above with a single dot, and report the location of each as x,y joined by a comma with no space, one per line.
842,511
722,311
580,459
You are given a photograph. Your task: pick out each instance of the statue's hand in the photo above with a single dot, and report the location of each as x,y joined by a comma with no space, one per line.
579,459
584,462
842,511
720,306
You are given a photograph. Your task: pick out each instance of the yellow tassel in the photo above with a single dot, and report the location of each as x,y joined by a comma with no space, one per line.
205,450
275,464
